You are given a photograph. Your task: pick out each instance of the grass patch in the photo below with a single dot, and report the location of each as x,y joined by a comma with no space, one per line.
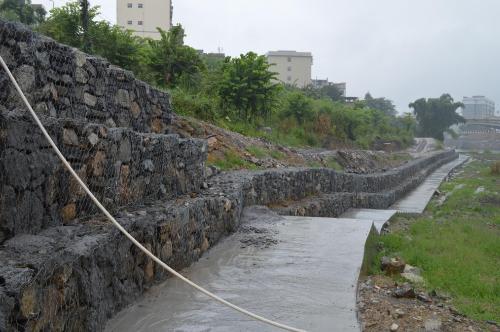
257,151
232,161
314,164
401,156
457,244
333,164
277,155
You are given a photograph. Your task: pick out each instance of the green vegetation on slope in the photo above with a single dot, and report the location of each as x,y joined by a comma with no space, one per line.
232,161
457,244
239,93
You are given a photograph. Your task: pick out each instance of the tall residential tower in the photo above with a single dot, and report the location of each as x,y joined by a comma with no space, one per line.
144,16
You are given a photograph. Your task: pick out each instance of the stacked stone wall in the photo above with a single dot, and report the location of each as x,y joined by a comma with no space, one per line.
121,167
109,125
63,82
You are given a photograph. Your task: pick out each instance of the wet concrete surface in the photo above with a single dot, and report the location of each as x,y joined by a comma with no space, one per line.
379,217
300,271
417,200
295,270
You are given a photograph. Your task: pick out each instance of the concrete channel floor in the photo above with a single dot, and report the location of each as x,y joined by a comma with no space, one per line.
295,270
288,269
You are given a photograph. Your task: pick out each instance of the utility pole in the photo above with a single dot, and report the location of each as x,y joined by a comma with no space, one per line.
85,25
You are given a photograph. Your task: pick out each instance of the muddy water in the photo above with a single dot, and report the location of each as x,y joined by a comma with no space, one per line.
286,269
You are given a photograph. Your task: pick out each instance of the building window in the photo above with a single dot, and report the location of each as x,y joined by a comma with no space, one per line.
289,68
129,5
139,22
129,22
140,5
289,59
289,78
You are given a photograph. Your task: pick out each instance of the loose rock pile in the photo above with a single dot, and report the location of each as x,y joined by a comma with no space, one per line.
385,305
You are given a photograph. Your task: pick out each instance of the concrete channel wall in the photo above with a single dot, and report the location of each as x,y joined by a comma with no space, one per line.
63,267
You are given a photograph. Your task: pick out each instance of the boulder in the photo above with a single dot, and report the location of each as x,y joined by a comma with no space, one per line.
393,265
412,274
70,137
404,291
25,77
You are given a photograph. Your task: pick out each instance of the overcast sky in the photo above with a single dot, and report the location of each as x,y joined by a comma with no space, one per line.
399,49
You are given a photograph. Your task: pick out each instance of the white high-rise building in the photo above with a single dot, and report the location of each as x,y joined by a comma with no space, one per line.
144,16
478,107
292,67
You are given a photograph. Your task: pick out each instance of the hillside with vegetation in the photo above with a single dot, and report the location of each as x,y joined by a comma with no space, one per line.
236,93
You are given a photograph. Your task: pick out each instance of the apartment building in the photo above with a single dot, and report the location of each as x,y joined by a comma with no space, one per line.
320,83
478,107
144,16
292,67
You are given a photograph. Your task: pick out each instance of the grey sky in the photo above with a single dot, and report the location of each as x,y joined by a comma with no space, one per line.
399,49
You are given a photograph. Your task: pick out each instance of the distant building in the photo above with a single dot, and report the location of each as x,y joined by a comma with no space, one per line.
292,67
320,83
144,16
478,107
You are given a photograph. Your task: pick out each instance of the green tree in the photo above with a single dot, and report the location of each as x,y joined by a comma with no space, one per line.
171,62
22,11
64,24
381,104
117,45
328,91
408,122
332,92
436,115
247,86
299,107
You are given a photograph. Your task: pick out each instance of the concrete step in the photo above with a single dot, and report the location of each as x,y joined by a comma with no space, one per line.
379,217
301,271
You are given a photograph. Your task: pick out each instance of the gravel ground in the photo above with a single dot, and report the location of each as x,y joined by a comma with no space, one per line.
380,310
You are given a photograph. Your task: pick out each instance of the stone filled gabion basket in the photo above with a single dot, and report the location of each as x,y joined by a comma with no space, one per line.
110,126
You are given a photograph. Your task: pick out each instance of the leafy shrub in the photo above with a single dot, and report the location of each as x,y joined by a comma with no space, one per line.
199,106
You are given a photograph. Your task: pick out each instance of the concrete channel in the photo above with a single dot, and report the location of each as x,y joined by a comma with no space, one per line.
301,271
